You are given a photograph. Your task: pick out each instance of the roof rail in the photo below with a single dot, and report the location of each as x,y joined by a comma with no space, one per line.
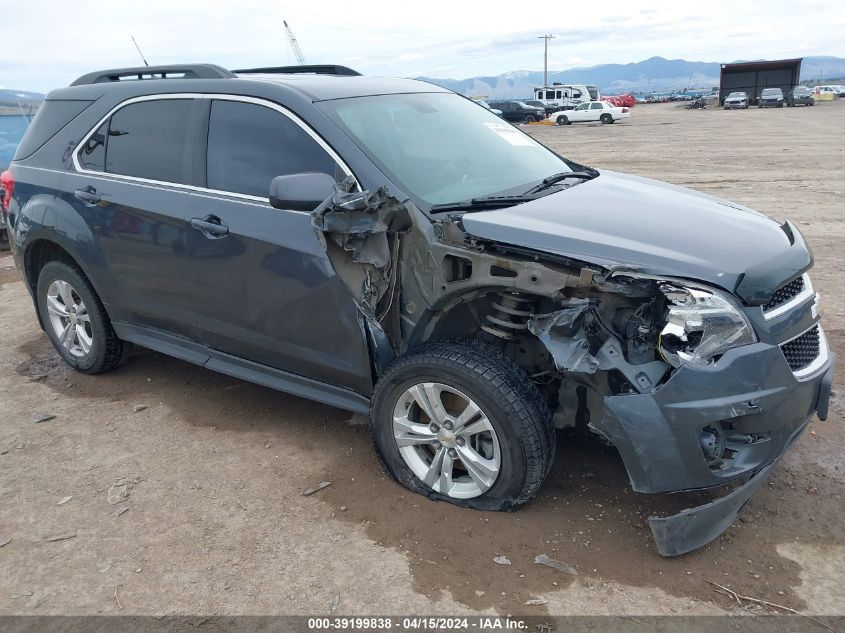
312,69
175,71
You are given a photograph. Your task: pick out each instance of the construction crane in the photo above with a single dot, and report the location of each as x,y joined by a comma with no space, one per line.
300,58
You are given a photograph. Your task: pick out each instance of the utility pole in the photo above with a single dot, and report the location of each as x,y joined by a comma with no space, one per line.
546,39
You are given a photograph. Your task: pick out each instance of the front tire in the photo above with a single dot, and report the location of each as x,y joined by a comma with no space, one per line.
458,421
75,319
563,120
529,118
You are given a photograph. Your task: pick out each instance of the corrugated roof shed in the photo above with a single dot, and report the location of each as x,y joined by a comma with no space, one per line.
752,77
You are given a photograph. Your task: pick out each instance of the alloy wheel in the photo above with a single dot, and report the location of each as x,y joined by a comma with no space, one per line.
69,318
446,440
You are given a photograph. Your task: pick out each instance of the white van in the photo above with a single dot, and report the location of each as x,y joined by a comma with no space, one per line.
565,96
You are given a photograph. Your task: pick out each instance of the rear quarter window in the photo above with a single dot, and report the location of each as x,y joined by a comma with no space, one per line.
52,116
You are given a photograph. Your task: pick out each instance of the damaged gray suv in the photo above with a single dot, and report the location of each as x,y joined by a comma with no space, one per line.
389,247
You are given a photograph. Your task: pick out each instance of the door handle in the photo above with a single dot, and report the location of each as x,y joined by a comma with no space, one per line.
211,226
88,195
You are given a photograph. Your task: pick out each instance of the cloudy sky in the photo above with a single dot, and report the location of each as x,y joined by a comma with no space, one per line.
47,44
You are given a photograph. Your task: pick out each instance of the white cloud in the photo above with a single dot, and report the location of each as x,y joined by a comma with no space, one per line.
436,38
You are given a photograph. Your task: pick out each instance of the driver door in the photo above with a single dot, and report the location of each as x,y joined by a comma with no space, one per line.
580,113
265,289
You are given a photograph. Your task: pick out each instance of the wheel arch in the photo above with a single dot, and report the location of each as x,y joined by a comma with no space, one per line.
43,250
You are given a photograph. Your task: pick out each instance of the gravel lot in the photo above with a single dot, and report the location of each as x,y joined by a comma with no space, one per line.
163,488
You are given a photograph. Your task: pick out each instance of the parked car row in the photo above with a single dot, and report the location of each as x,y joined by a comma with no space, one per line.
771,98
620,101
655,98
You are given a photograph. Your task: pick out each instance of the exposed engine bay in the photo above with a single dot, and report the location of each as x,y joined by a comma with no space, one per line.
567,323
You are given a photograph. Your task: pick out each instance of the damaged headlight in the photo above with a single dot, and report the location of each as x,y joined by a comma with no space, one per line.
700,325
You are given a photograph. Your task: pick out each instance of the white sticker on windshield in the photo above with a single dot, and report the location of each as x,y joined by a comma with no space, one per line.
509,133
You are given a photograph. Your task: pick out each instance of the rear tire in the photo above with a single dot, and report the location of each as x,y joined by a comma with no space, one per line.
75,320
514,433
606,118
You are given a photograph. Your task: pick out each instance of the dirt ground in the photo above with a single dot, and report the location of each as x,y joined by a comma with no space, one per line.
163,488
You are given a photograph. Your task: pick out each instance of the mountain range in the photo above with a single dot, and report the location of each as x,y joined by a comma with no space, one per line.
19,99
653,74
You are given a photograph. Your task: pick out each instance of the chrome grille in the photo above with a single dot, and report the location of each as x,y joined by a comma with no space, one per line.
801,351
785,293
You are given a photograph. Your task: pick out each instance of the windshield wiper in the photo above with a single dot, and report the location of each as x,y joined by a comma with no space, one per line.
480,204
556,178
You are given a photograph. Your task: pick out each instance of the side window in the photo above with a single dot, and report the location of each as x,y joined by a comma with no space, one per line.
596,106
576,94
249,145
93,154
149,139
558,95
583,106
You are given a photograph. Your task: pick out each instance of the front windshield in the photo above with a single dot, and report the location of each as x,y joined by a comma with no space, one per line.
736,95
441,148
801,91
770,92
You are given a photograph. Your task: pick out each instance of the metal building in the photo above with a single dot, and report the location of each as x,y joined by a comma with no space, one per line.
752,77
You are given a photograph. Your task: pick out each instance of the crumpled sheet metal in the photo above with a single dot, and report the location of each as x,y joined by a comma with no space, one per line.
359,222
563,335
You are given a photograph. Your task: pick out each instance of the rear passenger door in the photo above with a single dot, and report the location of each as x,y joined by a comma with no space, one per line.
266,288
128,185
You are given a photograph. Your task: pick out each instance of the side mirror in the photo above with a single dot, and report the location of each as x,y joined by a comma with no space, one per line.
301,192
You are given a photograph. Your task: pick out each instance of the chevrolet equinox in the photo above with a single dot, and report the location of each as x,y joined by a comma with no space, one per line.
390,247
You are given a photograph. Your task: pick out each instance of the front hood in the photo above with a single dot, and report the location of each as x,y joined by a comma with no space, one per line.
626,222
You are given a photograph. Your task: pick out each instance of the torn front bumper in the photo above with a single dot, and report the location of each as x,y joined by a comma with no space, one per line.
695,527
749,393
